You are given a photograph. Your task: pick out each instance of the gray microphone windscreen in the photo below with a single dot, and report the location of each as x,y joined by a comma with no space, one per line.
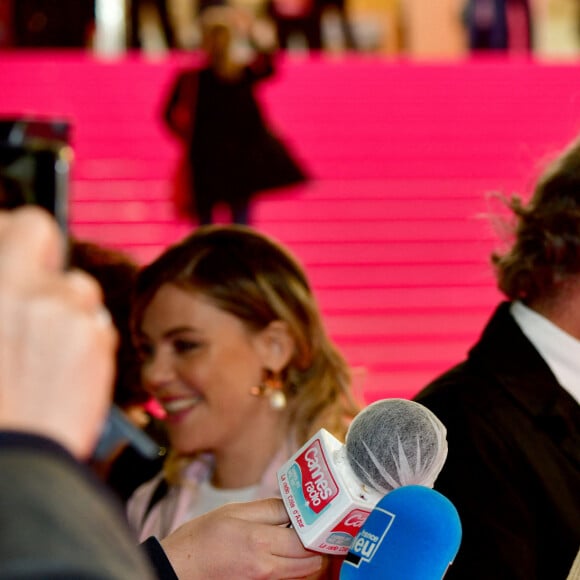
396,442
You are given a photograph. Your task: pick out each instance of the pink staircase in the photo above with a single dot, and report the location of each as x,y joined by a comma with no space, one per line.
392,229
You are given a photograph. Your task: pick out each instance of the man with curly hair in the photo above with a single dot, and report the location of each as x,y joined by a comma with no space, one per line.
511,408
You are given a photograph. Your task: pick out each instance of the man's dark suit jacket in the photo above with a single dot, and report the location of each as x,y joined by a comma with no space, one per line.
513,469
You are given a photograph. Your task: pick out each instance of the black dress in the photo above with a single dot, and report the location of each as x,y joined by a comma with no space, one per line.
232,152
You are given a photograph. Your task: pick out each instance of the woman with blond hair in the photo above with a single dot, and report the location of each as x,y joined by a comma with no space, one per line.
234,349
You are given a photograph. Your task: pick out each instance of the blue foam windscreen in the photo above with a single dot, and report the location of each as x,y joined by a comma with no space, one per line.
413,533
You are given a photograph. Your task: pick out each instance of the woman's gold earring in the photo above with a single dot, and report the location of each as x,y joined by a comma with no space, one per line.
273,388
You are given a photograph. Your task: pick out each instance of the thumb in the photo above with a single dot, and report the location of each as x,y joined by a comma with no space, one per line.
267,511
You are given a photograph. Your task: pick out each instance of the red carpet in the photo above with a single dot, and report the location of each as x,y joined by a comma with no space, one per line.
391,230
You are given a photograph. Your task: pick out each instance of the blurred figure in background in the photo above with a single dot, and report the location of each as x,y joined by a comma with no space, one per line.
499,25
116,272
135,32
297,18
512,408
302,21
339,8
230,153
50,24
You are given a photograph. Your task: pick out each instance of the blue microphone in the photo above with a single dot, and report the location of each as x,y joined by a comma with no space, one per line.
413,533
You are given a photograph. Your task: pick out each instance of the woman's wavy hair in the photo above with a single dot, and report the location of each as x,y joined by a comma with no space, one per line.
546,249
254,278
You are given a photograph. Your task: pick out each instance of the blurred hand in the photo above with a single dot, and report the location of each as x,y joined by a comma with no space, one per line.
57,343
263,35
245,541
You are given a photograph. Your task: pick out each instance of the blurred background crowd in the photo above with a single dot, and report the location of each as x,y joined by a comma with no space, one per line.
375,139
447,28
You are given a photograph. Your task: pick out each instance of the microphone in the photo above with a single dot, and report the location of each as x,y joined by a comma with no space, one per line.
117,431
330,488
396,442
413,533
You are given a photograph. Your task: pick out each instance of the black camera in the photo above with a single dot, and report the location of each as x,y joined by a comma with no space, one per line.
35,163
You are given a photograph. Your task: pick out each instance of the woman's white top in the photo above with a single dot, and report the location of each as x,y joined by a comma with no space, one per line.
194,497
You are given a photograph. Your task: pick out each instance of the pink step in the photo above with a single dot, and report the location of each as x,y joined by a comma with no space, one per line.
393,229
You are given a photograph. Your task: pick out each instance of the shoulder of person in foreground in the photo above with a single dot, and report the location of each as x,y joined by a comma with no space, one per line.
58,520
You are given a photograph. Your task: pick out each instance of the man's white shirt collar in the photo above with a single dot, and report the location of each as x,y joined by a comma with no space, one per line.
560,351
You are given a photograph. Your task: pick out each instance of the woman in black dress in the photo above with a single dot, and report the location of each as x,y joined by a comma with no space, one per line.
231,152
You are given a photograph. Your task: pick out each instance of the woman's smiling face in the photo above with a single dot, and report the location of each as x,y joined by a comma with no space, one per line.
200,363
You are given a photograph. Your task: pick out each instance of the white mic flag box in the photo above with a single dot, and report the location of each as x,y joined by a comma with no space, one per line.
326,503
